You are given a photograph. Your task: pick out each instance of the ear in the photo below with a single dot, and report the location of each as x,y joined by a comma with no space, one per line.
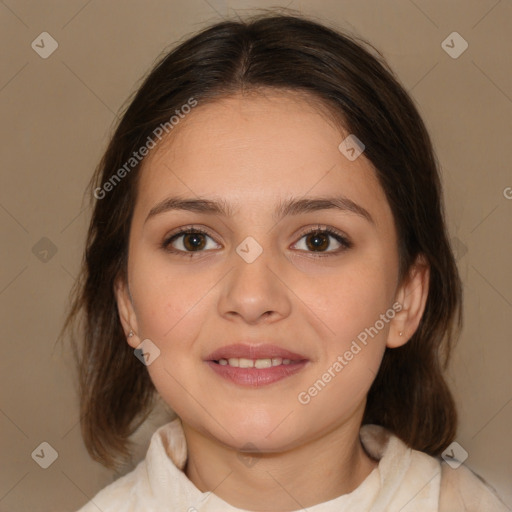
126,311
412,296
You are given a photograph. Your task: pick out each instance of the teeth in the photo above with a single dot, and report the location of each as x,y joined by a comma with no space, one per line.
241,362
263,363
244,363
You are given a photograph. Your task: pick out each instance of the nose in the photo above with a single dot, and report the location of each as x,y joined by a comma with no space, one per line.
253,292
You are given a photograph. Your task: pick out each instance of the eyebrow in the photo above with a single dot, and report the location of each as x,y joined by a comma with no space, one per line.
284,208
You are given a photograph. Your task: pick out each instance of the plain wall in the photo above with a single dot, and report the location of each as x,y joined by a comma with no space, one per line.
56,114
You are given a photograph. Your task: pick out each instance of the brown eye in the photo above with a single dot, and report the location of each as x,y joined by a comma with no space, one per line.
194,241
317,241
189,241
323,240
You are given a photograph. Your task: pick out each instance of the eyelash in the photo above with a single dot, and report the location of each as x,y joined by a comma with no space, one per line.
344,241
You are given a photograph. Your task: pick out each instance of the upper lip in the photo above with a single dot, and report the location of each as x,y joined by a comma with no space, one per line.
261,351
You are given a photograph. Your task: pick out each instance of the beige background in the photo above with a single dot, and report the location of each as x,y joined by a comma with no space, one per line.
56,114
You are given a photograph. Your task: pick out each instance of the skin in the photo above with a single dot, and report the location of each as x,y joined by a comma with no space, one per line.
254,151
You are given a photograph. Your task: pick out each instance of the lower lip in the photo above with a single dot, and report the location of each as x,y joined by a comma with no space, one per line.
254,377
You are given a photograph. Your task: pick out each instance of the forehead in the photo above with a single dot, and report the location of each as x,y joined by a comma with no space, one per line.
254,150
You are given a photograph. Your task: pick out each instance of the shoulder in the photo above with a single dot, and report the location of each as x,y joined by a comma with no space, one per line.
419,481
123,495
465,491
136,490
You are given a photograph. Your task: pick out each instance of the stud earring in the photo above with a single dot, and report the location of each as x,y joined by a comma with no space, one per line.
130,334
400,333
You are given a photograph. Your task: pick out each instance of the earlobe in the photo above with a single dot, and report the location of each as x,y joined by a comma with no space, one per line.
126,311
397,338
412,296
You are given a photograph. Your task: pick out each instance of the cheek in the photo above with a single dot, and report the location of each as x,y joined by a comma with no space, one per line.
349,300
166,298
336,393
355,308
358,313
171,307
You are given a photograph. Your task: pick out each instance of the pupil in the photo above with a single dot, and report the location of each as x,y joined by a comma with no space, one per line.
194,241
319,241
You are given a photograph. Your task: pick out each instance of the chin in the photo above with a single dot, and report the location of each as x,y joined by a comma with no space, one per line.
267,433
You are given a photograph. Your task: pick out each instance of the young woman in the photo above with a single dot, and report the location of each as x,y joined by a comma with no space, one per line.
268,254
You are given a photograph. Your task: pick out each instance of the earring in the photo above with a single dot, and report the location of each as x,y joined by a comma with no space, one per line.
130,334
400,333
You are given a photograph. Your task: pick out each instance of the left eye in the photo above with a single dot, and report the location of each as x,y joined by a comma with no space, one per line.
319,240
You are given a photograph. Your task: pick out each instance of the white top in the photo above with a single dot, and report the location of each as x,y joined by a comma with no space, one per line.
405,480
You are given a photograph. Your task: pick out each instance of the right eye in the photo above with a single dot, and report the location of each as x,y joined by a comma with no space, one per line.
188,240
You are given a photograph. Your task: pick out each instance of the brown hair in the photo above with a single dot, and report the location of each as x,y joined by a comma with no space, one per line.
409,395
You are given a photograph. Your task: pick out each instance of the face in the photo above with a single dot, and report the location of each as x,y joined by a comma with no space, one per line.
308,280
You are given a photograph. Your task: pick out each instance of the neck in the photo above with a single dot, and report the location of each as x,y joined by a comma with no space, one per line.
319,470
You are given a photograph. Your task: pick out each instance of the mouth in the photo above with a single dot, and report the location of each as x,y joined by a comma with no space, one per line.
241,362
255,365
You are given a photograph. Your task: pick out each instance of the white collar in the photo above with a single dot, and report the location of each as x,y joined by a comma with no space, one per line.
405,480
